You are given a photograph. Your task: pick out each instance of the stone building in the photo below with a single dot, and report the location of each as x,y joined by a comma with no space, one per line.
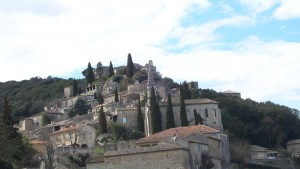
293,147
181,148
127,117
208,109
232,93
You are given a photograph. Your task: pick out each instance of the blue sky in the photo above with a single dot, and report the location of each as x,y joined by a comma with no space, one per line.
249,46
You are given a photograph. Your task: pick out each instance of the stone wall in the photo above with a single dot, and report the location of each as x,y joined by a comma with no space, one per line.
172,159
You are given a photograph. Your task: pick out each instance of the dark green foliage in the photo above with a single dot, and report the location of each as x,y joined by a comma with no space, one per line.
111,70
90,75
138,134
198,118
183,115
100,98
13,149
117,78
186,91
130,67
45,119
169,114
116,95
170,83
140,76
29,97
80,108
99,71
265,124
119,132
140,119
80,160
102,121
156,120
75,87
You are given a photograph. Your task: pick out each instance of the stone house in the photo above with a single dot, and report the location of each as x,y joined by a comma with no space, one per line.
232,93
293,147
258,153
181,148
82,134
202,141
208,109
127,117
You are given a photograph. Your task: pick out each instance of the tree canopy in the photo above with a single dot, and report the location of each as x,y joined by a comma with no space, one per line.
102,121
80,108
183,115
140,120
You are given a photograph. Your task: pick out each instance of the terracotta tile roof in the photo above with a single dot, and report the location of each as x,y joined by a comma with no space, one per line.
38,142
182,132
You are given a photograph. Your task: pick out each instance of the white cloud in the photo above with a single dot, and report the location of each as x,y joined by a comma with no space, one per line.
288,9
258,6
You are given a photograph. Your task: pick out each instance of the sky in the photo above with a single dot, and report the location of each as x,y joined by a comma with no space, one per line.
248,46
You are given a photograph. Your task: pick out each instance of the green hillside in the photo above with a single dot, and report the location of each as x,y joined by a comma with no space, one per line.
28,97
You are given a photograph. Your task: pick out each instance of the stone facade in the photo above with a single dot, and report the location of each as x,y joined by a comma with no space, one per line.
157,157
208,109
127,117
293,147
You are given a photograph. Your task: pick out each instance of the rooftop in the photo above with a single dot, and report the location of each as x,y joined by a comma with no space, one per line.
297,141
182,132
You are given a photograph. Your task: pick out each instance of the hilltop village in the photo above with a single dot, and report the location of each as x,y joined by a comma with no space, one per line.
113,125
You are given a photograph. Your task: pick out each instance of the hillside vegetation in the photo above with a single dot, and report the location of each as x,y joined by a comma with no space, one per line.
265,124
28,97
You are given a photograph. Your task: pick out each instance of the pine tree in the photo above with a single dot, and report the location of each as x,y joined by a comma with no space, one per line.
156,121
111,70
75,87
99,70
169,114
100,98
90,75
130,67
116,95
102,121
183,115
140,120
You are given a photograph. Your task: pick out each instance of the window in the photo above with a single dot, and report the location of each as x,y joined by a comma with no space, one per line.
124,120
121,112
206,112
215,112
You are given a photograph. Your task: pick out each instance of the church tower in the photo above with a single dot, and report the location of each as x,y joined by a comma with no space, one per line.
150,70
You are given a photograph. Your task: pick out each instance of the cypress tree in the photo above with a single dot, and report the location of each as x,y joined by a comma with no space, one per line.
183,115
140,120
102,121
75,87
99,70
111,70
169,114
100,98
7,118
156,121
130,67
196,117
116,95
186,91
90,75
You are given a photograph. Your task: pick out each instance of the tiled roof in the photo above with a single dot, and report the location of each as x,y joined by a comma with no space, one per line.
38,142
257,148
182,132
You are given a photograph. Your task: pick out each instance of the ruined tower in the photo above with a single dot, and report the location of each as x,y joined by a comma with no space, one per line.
150,70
